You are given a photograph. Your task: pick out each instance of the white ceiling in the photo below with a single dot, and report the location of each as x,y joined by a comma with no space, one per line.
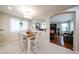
37,11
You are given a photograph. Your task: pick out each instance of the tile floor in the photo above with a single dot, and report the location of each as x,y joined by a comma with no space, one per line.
14,48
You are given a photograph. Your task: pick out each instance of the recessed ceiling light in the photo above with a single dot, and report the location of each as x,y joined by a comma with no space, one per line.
9,8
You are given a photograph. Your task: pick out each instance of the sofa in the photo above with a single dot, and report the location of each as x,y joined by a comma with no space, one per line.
68,37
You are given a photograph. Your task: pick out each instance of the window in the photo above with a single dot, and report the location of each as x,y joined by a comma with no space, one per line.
14,24
71,26
24,26
43,25
64,27
17,24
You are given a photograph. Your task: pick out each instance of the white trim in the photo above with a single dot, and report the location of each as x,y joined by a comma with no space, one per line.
77,52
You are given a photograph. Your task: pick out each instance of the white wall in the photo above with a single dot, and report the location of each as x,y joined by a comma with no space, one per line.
7,36
5,25
62,17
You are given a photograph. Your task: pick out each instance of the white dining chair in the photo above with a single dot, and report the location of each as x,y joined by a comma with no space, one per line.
34,40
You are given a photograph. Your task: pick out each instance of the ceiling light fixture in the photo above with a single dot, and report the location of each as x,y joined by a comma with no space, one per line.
28,15
9,8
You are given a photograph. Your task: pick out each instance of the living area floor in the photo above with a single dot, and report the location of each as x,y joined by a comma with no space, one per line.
59,40
14,48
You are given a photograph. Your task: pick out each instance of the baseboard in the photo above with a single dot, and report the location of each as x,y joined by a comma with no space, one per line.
7,42
77,52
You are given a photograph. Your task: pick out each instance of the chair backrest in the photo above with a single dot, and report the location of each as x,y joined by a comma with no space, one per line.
35,38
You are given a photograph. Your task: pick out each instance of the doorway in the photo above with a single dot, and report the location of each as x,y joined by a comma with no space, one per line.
61,29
